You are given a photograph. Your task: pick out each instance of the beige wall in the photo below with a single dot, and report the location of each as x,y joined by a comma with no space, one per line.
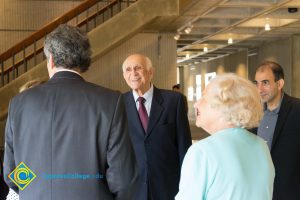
160,48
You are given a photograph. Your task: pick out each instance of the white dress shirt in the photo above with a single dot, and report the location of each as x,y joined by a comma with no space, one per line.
147,96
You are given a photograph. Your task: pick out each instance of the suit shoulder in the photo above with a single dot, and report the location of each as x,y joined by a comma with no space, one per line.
103,90
169,93
127,95
30,92
296,100
293,100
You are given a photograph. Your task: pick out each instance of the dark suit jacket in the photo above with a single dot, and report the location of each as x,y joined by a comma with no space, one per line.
161,150
3,186
285,150
70,127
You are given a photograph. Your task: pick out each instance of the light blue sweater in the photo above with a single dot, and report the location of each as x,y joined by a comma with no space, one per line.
232,164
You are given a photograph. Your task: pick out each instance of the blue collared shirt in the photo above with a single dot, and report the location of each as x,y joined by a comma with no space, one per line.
268,123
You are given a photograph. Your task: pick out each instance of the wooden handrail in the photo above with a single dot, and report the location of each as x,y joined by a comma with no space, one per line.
40,34
21,61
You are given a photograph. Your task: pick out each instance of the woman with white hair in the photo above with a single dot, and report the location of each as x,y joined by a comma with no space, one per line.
231,164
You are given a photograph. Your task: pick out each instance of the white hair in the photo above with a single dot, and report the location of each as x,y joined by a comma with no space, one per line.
236,98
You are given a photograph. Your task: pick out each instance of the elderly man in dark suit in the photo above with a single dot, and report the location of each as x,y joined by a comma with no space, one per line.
159,130
280,128
70,133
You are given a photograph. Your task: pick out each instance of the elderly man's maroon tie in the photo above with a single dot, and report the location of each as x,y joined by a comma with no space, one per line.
143,113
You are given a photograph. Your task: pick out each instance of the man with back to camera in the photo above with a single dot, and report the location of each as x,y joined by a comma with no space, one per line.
159,130
67,129
281,129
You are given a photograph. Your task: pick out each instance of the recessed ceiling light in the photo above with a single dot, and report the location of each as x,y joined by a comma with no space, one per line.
267,27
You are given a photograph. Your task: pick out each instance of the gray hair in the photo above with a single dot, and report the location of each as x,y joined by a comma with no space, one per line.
237,99
69,47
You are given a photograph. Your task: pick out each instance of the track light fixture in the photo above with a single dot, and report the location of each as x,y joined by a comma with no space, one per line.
188,29
177,36
230,41
205,49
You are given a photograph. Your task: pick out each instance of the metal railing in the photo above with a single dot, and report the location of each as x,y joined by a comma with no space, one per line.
29,52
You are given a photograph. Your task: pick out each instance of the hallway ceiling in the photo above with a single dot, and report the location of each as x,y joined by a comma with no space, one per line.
213,22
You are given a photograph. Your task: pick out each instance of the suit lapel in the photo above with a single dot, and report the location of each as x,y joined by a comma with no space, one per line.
131,109
285,108
155,112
